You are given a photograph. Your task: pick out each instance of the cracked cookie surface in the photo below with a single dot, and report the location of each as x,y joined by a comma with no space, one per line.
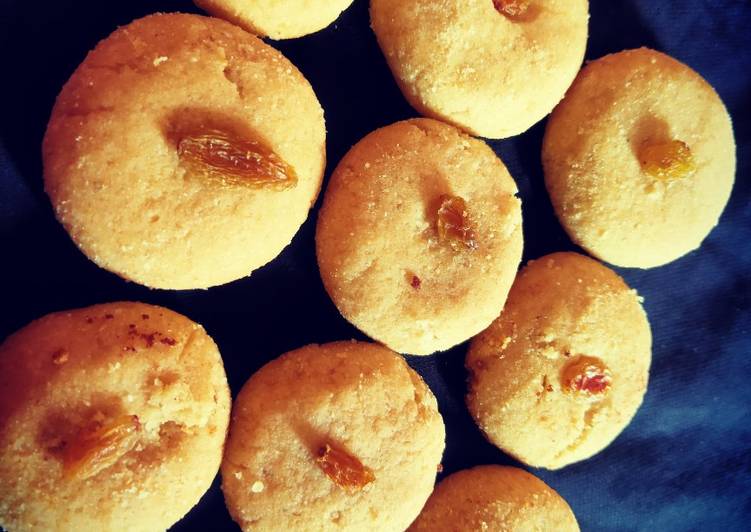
112,417
126,189
339,436
565,367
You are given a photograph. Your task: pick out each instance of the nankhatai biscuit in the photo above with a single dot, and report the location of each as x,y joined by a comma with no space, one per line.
340,436
639,159
278,19
112,417
494,498
564,368
184,152
419,236
491,67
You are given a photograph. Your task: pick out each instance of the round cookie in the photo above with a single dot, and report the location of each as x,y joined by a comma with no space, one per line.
340,436
494,498
639,159
278,19
184,152
112,417
419,236
491,67
565,367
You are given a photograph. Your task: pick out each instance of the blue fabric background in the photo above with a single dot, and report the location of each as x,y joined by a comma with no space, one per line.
682,464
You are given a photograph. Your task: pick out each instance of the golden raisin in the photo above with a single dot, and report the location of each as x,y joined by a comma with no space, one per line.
667,160
512,8
344,470
99,446
587,376
453,223
219,155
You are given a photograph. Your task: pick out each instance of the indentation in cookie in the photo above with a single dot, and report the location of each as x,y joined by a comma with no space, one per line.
649,129
163,379
219,149
232,75
165,442
432,188
60,356
171,436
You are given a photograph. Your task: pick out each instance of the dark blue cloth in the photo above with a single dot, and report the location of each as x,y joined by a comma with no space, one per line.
682,464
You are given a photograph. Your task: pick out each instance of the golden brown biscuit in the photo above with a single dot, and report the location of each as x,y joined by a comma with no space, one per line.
112,417
184,152
278,19
565,367
492,67
639,159
419,236
494,498
340,436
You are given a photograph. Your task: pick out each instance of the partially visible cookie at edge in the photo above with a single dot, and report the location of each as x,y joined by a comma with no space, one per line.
112,417
494,497
491,67
278,19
